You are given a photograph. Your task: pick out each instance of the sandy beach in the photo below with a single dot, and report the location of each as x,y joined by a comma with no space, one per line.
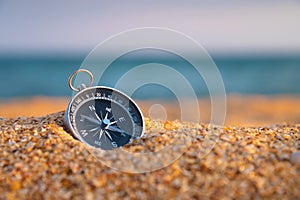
40,160
256,155
253,110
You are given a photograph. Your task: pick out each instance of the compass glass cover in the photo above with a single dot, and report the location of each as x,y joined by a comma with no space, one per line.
105,118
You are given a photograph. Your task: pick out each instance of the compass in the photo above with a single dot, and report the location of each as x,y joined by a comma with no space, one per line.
103,117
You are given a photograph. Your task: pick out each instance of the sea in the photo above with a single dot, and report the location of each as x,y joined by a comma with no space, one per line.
46,75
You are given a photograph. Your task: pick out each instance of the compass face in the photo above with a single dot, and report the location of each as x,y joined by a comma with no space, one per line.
104,118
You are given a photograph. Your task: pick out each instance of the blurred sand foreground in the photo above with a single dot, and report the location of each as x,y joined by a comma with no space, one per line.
241,110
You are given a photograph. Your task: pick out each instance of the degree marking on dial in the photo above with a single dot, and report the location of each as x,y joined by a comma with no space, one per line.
78,101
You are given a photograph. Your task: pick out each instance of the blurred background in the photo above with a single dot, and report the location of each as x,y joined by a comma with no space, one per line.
255,45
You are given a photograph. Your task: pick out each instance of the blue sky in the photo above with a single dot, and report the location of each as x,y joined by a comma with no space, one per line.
67,26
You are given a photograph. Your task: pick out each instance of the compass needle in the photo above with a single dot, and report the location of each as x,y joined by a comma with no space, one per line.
90,119
101,133
116,129
108,134
106,115
101,115
111,123
94,129
98,117
96,132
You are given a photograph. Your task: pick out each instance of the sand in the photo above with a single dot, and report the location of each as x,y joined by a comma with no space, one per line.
40,160
256,155
253,110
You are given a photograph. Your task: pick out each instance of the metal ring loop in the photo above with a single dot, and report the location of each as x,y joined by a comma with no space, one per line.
75,73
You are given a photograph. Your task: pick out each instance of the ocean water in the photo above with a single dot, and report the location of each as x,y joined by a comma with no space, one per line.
48,75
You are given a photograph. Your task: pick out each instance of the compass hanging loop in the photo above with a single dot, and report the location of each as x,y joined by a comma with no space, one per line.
82,86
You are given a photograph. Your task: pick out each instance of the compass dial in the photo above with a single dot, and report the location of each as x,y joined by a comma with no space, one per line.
104,118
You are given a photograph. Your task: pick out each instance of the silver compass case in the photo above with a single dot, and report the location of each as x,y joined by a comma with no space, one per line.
104,117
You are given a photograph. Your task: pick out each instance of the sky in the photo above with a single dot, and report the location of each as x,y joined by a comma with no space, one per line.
73,26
